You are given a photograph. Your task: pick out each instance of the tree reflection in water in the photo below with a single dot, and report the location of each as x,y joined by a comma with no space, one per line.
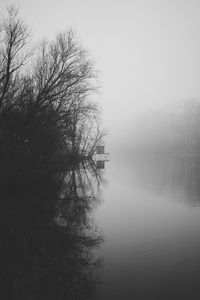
47,236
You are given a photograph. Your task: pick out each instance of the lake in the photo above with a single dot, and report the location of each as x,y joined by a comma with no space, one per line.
129,231
150,218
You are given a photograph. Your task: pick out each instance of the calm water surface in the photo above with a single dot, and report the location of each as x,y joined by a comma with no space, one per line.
150,218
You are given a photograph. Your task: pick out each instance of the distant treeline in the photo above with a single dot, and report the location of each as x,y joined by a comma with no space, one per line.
47,116
174,129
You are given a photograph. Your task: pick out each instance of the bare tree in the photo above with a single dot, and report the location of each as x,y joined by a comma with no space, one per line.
14,36
48,108
62,71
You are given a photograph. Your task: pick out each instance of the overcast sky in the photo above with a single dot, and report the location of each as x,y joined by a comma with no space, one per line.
147,51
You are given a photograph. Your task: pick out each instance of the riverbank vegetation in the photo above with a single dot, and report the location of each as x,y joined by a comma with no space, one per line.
47,116
49,129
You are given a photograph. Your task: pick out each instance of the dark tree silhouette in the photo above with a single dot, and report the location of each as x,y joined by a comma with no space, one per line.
48,130
45,98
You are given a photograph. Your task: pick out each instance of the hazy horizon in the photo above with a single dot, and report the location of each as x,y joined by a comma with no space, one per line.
146,52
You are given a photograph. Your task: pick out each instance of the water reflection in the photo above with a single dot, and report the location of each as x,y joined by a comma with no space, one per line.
48,236
177,176
151,219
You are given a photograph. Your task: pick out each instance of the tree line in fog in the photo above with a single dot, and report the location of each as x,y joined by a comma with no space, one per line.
46,111
175,128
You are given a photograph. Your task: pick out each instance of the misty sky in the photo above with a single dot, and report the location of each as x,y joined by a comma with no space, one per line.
147,51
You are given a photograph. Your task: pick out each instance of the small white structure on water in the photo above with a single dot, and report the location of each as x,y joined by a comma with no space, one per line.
100,156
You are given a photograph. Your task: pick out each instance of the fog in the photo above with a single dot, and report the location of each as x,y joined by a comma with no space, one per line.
135,218
146,52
